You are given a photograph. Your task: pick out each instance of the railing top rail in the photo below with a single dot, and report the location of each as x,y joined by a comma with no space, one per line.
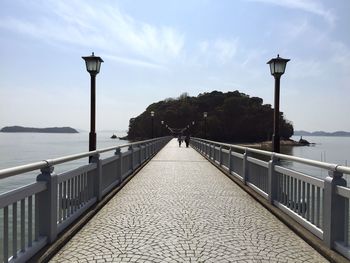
41,164
324,165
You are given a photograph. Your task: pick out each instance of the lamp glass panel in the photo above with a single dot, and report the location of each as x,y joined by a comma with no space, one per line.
91,65
280,66
272,67
98,66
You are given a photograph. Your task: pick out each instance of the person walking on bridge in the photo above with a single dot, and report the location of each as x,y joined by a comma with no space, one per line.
187,140
179,139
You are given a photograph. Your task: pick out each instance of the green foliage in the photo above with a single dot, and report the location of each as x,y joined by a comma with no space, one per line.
232,117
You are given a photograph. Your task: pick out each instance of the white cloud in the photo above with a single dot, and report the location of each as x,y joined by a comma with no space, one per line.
135,62
226,49
99,26
310,6
220,50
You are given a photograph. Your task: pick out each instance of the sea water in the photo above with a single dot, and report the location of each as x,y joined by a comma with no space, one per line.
24,148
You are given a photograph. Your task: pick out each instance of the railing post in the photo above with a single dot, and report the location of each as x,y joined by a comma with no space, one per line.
98,178
47,201
272,180
120,173
229,160
245,174
333,209
220,155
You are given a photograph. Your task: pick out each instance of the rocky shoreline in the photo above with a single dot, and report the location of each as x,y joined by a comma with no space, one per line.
268,144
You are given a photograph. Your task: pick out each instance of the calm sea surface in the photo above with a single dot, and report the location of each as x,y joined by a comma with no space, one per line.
23,148
326,149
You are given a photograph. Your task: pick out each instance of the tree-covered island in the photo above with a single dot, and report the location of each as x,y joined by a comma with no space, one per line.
232,117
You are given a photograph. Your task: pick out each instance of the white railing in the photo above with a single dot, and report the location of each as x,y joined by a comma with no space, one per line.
320,205
33,215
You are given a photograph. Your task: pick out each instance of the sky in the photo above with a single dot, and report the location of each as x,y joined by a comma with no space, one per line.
156,49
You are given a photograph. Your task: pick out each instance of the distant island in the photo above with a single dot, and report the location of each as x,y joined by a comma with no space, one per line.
322,133
39,130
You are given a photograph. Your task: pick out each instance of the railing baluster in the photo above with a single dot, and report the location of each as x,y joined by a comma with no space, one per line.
300,203
73,195
278,184
347,222
308,201
14,230
296,201
23,225
59,202
318,209
30,220
312,220
64,200
303,196
36,220
87,197
291,197
69,198
6,234
76,193
81,189
284,189
288,193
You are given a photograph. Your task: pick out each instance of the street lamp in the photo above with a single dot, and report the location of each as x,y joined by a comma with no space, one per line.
93,65
277,68
205,115
152,117
162,128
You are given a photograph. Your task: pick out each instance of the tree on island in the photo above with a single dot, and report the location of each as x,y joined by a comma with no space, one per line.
232,117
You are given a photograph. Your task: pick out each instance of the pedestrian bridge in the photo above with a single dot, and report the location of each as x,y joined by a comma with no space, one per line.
154,201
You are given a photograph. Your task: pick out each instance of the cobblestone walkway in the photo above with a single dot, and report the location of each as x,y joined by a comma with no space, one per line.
180,208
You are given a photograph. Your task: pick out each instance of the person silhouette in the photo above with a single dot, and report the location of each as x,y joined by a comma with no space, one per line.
187,140
179,139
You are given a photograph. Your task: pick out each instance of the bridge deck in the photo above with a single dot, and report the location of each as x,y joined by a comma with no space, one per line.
180,208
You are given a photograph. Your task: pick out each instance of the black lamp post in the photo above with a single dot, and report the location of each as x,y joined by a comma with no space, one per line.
205,115
152,117
93,65
277,68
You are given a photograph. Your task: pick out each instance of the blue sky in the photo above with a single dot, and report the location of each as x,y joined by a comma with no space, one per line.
159,49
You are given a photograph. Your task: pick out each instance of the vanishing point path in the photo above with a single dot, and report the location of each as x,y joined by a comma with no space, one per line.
180,208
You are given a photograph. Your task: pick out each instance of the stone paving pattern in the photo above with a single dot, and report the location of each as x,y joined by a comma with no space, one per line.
180,208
